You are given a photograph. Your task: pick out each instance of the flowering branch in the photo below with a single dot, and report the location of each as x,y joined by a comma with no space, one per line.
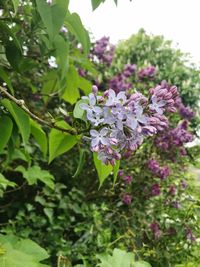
22,105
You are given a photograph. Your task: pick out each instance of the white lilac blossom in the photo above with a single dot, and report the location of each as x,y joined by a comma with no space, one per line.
119,123
52,62
49,2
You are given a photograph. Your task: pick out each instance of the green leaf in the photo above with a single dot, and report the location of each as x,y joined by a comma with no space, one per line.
71,93
4,183
53,16
40,136
75,26
96,3
14,55
80,164
60,142
141,264
85,85
102,169
78,112
115,171
21,253
21,118
6,127
120,258
16,4
35,173
116,2
62,50
6,79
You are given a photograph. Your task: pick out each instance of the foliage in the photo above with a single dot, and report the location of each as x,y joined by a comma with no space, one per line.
20,252
49,187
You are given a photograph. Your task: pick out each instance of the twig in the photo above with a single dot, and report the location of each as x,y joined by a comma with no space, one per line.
21,104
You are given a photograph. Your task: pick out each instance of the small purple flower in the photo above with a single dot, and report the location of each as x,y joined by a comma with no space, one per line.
147,73
189,235
184,184
128,179
155,230
127,199
155,190
157,105
172,190
114,99
176,204
99,137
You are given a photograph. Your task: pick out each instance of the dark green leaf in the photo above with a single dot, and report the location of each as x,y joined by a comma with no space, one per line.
6,79
21,118
80,164
96,3
115,170
75,26
53,15
6,127
39,136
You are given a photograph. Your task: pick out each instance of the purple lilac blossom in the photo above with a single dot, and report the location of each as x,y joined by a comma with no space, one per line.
122,123
186,112
155,230
161,172
189,235
155,190
104,51
175,138
163,98
127,199
147,73
128,179
129,69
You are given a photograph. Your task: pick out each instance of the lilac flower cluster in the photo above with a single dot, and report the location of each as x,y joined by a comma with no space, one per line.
104,51
119,82
147,73
155,230
161,172
175,137
186,112
120,123
164,98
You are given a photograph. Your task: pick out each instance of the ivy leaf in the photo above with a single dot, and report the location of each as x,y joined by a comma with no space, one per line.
75,26
21,118
35,173
60,142
53,15
6,127
4,183
102,169
40,136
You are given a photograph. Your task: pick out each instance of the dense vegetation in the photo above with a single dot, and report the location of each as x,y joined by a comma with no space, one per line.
92,175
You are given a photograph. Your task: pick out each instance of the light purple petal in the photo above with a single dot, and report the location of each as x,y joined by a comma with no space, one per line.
84,106
95,142
94,133
92,99
103,131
